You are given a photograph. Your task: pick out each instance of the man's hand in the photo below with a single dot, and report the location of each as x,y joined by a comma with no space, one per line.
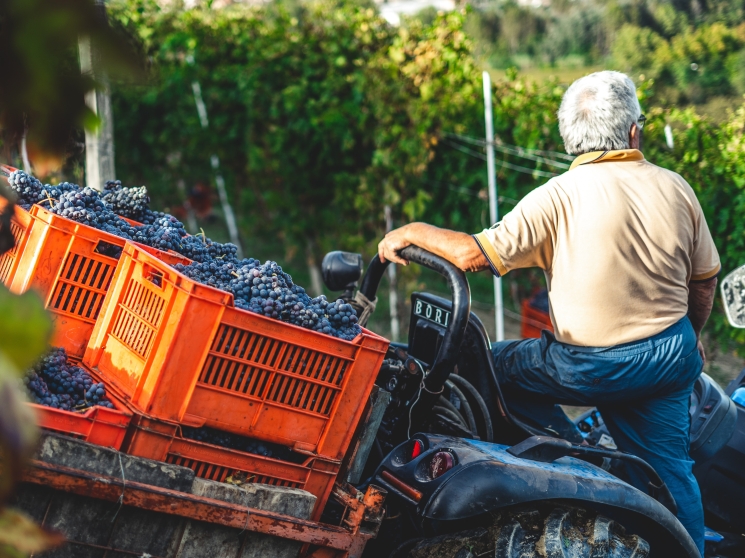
458,248
701,351
392,243
700,302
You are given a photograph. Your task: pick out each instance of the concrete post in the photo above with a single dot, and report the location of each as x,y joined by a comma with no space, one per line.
99,144
493,200
393,293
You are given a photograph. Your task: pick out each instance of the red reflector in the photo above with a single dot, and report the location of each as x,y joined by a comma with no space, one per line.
416,449
441,463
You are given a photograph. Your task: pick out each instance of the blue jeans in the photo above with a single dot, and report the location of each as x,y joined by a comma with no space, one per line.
641,389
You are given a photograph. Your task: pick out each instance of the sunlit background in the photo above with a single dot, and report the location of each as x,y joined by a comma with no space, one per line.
320,119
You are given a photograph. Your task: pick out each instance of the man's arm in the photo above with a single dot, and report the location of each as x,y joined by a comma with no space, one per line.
458,248
700,302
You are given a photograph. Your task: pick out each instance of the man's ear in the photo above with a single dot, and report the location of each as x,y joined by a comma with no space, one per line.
634,137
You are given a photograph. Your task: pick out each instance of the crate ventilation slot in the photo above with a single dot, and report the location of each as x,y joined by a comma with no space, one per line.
81,287
264,368
107,249
219,473
7,259
139,317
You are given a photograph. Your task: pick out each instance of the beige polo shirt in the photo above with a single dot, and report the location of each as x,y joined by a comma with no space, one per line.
619,240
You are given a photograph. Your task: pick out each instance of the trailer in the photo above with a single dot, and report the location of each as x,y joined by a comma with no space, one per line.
109,504
176,355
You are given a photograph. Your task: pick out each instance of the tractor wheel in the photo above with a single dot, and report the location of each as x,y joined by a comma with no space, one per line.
561,532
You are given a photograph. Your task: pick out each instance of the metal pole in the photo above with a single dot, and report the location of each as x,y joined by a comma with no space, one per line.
99,144
491,172
191,219
392,293
24,154
227,209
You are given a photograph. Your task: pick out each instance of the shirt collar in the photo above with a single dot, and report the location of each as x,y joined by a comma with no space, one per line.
604,156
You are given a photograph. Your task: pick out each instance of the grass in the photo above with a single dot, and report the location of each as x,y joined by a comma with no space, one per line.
535,74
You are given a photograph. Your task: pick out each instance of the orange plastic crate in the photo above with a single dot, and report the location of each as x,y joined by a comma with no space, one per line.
19,224
67,264
98,425
534,321
162,441
180,351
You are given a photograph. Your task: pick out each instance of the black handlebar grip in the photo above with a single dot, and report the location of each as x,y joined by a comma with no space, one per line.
447,356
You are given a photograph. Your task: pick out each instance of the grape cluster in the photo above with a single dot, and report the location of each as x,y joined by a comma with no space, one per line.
86,206
267,290
241,443
27,188
261,288
55,383
131,203
165,234
148,217
30,190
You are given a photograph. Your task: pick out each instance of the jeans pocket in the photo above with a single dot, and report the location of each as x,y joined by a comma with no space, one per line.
690,367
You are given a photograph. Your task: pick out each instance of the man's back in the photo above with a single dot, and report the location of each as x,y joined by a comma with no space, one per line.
619,241
631,269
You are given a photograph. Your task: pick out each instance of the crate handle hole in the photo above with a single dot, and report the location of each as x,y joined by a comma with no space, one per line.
108,249
154,276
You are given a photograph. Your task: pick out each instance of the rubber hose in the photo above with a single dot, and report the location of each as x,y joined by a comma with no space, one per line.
459,429
443,401
451,415
467,412
468,387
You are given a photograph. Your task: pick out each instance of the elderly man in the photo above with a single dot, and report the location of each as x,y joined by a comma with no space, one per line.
631,271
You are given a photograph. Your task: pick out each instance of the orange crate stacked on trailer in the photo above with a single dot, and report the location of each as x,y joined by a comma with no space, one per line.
534,319
98,425
71,266
181,353
19,224
163,441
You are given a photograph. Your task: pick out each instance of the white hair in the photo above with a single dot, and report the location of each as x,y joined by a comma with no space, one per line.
597,112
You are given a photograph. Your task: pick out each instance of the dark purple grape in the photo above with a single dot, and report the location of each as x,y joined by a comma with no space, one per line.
54,382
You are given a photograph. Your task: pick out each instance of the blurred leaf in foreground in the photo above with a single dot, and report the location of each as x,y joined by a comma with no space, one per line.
18,431
20,536
43,89
25,328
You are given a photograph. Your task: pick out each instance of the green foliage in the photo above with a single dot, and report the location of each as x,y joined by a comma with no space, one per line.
320,120
24,329
581,31
289,114
712,159
323,116
636,50
20,536
693,49
736,68
692,66
424,86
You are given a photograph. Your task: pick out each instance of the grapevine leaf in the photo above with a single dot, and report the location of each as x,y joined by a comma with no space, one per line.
18,431
21,536
25,328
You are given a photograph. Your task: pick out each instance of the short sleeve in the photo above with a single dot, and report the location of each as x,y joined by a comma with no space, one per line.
525,236
705,258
